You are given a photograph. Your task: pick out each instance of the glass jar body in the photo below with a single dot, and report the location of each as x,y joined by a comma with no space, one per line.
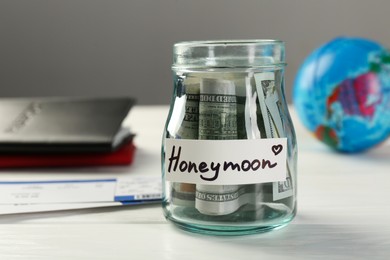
223,105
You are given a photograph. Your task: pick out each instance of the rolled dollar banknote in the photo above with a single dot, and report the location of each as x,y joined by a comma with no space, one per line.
217,110
218,121
220,199
190,125
183,194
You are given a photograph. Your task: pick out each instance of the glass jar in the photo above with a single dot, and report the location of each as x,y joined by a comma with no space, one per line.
229,150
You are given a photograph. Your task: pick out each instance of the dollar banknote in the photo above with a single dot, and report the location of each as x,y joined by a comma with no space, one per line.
225,199
190,125
217,110
218,121
273,125
241,98
183,194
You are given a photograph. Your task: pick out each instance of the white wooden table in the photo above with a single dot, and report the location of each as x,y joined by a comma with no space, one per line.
343,213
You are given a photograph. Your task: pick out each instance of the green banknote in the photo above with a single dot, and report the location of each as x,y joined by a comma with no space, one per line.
218,121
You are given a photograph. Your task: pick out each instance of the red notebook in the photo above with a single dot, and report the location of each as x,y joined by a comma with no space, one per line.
123,156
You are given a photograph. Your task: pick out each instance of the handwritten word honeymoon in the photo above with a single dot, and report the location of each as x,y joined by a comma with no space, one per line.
215,167
225,162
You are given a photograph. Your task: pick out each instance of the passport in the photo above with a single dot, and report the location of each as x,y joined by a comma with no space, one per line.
63,125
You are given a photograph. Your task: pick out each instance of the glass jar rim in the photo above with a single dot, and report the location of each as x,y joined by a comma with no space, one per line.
228,54
229,42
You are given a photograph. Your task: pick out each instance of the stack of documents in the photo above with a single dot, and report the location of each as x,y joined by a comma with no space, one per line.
33,195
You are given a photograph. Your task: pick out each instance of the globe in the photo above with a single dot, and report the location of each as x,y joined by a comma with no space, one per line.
342,93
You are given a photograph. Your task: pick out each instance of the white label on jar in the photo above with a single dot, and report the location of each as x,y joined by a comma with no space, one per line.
225,162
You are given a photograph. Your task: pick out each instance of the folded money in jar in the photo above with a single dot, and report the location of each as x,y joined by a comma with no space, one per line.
235,172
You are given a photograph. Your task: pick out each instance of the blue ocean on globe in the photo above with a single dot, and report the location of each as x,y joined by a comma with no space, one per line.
342,93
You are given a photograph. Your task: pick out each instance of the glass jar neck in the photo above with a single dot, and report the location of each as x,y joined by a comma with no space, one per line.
228,54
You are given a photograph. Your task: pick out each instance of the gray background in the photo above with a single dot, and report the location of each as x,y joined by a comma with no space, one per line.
109,48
